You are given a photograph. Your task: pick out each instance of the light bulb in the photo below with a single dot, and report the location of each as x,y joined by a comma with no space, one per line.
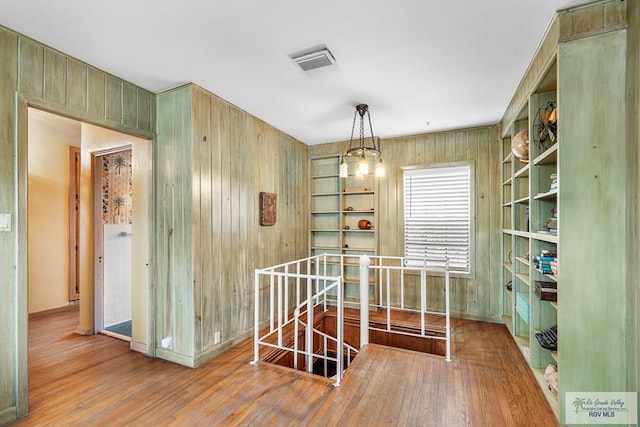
344,169
379,168
363,166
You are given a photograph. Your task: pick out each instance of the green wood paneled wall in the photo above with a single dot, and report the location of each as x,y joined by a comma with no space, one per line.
477,296
50,80
595,286
212,161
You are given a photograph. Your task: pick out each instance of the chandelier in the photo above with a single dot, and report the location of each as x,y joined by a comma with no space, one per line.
360,150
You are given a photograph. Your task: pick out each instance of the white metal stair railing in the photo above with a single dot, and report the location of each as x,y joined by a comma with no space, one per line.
392,294
287,293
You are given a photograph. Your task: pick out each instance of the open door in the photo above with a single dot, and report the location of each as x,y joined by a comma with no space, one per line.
113,222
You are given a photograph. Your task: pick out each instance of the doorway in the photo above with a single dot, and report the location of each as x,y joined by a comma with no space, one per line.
113,223
46,260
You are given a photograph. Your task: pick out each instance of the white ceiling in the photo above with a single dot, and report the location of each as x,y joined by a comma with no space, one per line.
421,65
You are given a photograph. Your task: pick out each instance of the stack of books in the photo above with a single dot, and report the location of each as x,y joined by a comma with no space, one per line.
543,261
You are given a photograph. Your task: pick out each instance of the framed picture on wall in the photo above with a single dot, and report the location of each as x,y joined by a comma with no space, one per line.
268,205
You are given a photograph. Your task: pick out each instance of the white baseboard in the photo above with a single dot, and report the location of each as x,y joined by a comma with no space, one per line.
138,346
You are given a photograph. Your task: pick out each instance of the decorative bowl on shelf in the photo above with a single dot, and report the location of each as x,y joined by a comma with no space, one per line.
364,224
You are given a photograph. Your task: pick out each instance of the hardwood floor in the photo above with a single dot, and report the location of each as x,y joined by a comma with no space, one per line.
97,380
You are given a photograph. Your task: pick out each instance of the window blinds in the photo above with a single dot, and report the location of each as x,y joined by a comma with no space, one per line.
437,215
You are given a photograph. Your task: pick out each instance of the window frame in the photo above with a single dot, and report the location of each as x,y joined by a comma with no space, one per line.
472,213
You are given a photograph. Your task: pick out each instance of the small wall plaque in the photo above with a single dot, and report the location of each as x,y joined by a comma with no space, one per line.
268,204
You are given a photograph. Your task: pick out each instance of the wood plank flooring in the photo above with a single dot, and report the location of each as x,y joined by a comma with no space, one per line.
97,380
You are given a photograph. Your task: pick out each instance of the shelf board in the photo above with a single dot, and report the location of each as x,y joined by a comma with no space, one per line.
325,194
524,200
508,158
551,238
523,260
324,212
549,157
521,233
508,266
325,176
347,193
358,249
554,304
356,230
508,321
549,195
325,230
524,277
548,276
523,172
508,181
507,205
330,248
523,345
360,211
554,354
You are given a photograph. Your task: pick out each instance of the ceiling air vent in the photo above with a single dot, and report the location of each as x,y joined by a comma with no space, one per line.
314,59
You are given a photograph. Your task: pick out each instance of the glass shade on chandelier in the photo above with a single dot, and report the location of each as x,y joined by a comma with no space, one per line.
360,149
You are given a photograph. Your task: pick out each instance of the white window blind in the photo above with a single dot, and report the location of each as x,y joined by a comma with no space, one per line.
437,215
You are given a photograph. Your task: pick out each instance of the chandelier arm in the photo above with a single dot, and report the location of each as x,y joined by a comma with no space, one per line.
373,141
353,128
362,132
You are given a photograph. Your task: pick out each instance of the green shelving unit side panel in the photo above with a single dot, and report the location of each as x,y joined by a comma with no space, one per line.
593,288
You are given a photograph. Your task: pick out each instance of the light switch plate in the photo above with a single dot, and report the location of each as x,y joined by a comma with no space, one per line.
5,222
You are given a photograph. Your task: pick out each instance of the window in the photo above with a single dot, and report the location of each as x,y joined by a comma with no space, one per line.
437,215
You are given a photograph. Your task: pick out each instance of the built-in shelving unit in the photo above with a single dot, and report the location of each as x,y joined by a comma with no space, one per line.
530,228
343,218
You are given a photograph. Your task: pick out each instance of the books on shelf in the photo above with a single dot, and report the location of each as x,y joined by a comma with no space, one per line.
543,261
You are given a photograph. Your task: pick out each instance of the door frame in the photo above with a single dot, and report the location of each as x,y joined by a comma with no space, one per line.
98,234
22,104
74,222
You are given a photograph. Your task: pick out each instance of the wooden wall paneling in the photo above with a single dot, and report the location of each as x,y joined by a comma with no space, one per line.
199,171
21,222
55,77
203,298
235,260
31,76
226,220
8,311
145,111
214,290
96,86
129,104
113,98
163,231
592,72
591,19
175,303
77,86
495,225
183,258
633,213
482,210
